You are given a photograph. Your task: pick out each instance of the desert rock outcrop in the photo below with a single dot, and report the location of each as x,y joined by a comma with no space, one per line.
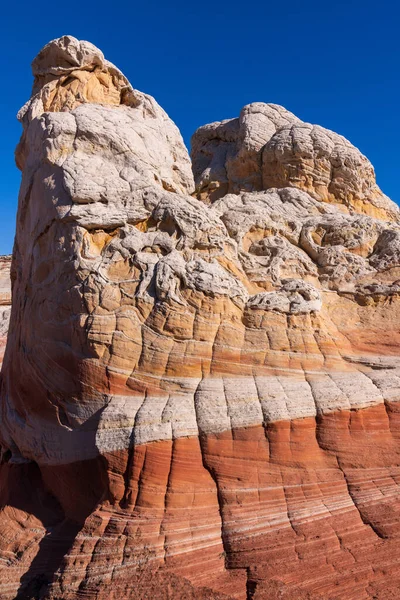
5,301
268,147
199,397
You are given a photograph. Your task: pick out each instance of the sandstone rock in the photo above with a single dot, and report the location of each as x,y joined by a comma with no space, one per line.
325,165
200,396
269,147
227,156
70,74
5,301
295,297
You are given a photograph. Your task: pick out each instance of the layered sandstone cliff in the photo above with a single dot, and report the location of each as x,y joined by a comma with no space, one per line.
5,301
199,397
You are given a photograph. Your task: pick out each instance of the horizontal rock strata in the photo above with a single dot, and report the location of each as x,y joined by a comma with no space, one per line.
5,301
200,393
291,508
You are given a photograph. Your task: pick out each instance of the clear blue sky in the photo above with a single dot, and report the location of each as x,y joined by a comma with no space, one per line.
331,63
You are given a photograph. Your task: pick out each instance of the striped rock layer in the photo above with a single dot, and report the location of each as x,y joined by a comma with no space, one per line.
5,301
199,395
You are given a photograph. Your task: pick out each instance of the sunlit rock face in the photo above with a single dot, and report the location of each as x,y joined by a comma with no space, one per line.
199,397
5,301
268,147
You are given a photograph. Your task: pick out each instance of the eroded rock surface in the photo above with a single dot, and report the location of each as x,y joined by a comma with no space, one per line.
268,147
200,392
5,301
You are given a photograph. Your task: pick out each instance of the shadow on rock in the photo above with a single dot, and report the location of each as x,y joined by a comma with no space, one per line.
61,497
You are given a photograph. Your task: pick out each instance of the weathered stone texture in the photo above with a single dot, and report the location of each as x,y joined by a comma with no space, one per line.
268,147
5,301
200,393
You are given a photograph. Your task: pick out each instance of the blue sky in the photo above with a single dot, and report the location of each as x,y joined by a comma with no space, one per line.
335,64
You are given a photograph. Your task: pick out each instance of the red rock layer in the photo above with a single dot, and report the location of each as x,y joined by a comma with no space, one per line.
301,509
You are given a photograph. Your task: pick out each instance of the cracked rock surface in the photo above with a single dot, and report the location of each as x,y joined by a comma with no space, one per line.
199,397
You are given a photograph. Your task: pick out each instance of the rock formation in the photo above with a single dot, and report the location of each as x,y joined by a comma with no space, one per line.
5,301
199,397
